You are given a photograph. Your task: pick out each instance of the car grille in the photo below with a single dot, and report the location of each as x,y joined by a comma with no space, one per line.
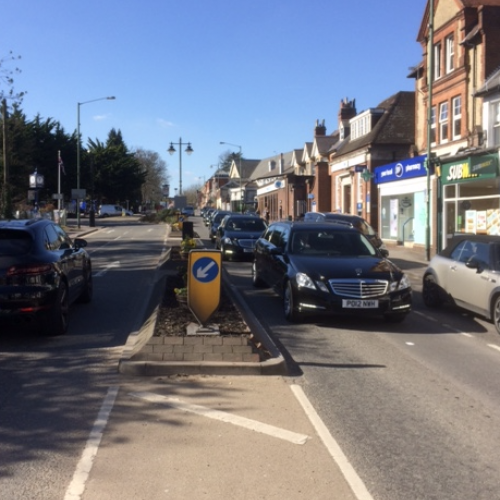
359,289
246,243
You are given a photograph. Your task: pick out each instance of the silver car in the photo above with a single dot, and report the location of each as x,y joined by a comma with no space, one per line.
467,273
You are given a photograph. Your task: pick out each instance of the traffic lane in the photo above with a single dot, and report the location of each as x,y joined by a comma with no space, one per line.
159,448
400,411
52,388
124,274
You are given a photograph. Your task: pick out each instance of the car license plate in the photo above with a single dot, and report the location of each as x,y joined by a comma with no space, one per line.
359,304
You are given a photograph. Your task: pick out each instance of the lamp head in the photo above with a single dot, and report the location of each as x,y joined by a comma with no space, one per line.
171,149
189,149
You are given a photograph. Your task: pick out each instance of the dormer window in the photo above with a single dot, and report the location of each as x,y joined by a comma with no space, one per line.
341,132
362,124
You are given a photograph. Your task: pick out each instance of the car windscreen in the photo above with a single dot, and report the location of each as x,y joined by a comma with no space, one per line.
330,243
13,243
254,224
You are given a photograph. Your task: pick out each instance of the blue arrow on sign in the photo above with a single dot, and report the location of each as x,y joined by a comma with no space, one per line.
205,270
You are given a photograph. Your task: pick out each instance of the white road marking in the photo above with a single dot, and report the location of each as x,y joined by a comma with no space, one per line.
253,425
102,272
358,487
77,486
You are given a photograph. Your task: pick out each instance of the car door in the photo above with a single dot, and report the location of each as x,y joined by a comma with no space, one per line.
468,284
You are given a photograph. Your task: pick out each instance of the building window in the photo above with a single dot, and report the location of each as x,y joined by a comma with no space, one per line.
495,136
437,61
457,117
433,125
443,122
450,54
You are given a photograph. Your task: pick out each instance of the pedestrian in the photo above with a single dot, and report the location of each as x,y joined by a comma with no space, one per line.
266,215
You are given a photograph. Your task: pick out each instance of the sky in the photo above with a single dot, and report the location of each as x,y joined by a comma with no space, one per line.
252,73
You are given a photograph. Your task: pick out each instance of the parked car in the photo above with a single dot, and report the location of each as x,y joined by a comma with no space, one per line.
237,234
324,268
352,220
112,211
189,211
206,216
42,272
214,222
466,273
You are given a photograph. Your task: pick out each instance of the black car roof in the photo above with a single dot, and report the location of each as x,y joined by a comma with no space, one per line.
315,225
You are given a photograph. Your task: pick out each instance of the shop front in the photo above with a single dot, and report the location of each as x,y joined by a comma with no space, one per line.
402,188
471,195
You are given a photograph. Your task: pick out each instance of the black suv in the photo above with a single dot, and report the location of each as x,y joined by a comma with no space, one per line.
324,268
42,271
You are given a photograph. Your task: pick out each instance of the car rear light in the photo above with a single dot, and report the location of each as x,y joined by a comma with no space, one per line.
30,270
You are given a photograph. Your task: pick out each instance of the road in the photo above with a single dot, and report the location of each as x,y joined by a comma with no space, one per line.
370,410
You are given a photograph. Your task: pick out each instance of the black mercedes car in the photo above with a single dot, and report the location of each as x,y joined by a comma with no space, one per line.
323,268
236,236
42,271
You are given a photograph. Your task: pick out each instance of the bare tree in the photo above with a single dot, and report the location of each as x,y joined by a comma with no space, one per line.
156,175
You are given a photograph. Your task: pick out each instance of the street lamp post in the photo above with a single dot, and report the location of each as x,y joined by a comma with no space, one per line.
110,98
188,150
241,188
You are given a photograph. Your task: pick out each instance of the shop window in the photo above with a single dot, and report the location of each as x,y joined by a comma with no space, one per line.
457,117
443,122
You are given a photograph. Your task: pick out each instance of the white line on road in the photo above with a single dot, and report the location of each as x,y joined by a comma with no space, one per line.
253,425
351,476
77,486
494,346
102,272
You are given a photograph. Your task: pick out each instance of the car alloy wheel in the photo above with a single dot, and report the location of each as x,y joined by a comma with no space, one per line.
256,280
430,292
496,313
55,321
291,313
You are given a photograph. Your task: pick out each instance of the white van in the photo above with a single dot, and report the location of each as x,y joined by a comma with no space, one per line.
113,210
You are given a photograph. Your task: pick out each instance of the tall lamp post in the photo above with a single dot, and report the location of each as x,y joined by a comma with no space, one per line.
241,188
110,98
188,150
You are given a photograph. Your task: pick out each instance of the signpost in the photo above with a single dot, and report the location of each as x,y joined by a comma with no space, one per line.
204,283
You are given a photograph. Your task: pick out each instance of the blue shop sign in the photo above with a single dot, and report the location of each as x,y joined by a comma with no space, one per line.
401,170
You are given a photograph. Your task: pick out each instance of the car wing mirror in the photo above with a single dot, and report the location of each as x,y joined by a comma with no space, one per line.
79,243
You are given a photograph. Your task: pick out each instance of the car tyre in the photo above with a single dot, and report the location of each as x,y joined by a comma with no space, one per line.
257,281
431,293
395,318
496,313
55,321
291,313
88,288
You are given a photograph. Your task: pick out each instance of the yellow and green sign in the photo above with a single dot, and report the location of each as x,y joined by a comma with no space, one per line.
470,168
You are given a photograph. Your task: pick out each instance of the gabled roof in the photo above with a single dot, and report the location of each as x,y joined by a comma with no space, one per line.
395,126
491,85
297,157
306,152
247,168
270,167
322,145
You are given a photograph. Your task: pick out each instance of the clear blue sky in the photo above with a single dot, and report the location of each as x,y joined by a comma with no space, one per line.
256,73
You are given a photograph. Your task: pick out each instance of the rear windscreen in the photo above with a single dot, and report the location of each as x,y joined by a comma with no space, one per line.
14,243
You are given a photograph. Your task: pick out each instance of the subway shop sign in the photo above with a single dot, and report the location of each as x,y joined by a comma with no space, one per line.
472,168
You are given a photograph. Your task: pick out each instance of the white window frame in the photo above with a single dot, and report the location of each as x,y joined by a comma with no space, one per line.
433,125
456,109
450,53
437,61
494,135
444,122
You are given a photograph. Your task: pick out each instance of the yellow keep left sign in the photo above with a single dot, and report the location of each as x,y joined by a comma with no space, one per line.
204,283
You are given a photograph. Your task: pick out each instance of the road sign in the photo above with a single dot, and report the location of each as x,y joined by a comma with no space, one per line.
204,283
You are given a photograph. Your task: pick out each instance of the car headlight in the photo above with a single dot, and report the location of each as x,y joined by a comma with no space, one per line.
402,284
304,281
